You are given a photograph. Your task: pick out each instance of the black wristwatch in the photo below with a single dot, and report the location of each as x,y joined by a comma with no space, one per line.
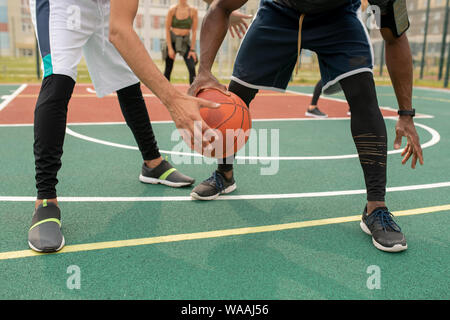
411,112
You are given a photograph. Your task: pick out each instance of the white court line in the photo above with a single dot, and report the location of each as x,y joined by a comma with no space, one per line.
421,115
171,121
12,96
435,138
235,197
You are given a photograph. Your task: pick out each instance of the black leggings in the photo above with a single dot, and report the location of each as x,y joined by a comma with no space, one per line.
190,64
50,117
367,127
317,93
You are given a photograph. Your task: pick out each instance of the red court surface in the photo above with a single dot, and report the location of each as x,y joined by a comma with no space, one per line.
85,106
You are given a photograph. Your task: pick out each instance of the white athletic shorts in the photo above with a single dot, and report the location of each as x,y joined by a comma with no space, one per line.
66,29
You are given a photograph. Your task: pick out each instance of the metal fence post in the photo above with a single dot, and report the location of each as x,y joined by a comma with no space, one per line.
444,40
424,47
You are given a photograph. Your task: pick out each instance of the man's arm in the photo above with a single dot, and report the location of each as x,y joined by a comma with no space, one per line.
214,28
183,109
400,67
237,22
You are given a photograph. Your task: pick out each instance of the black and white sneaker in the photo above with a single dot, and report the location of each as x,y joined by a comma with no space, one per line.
214,186
386,234
165,174
315,113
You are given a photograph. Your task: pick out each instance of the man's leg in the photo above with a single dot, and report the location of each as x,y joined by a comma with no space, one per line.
222,181
60,47
50,119
155,169
265,60
247,95
369,134
370,137
136,116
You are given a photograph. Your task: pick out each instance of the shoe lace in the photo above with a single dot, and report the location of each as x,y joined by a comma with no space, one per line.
385,219
217,180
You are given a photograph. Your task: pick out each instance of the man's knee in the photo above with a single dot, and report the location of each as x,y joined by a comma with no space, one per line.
56,87
243,92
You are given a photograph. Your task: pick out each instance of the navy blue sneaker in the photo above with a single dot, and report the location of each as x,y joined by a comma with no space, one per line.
386,234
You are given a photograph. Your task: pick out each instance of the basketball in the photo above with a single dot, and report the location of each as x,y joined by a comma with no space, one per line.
231,122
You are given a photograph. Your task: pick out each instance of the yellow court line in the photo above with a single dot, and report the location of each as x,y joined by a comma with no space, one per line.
212,234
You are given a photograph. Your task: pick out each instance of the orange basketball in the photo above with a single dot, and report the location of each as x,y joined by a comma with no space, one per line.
231,123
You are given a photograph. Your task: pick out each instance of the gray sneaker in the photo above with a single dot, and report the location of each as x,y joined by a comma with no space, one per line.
165,174
45,232
214,186
315,113
386,234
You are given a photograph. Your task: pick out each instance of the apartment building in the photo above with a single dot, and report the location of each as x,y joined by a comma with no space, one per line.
16,30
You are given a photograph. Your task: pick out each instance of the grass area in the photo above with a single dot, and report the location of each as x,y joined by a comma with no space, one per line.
23,70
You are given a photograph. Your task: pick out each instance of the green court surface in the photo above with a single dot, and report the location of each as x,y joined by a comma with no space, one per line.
137,241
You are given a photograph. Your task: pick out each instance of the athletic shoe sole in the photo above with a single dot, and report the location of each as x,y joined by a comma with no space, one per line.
229,189
396,248
47,251
315,115
164,182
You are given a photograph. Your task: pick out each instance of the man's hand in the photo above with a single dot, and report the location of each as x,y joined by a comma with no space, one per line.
206,80
405,128
185,112
238,23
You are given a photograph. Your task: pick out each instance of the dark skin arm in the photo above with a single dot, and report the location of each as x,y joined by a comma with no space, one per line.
214,29
237,22
400,67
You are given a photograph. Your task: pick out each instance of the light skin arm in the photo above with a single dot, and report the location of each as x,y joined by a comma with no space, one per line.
214,29
183,109
169,18
400,67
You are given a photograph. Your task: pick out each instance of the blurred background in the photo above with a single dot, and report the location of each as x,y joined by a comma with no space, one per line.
428,35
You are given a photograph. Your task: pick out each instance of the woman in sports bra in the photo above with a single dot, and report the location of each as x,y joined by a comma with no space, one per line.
180,21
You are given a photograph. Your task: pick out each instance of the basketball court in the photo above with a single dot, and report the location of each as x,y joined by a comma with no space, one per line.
291,235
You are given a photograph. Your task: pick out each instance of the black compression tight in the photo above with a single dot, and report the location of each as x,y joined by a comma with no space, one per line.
367,127
368,131
135,113
50,119
247,95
